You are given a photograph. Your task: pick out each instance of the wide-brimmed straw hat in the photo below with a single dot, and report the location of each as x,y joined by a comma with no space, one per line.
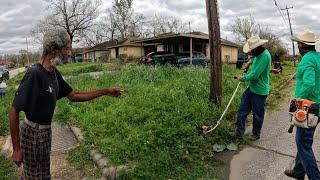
306,37
253,43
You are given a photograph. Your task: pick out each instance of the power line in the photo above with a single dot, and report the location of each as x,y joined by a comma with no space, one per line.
279,9
287,9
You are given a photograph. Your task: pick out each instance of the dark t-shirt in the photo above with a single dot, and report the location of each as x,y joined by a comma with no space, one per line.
38,92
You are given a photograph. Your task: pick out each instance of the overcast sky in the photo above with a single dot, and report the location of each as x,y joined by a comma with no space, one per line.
17,17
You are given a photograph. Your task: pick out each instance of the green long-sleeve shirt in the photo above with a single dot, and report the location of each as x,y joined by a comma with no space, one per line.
308,77
258,76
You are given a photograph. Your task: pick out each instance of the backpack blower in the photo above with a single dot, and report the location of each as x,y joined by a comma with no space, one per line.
304,114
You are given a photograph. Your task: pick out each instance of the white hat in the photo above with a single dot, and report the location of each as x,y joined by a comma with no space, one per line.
253,43
306,37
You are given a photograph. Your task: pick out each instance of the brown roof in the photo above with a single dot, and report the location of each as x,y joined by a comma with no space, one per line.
128,42
102,46
197,35
79,50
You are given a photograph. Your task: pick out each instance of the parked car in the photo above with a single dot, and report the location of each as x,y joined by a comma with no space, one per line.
242,58
165,59
148,59
4,74
198,59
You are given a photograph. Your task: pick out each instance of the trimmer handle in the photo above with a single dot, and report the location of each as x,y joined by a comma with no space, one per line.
290,130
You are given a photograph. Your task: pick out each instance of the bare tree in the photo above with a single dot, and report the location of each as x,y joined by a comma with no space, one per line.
245,28
93,36
136,25
160,24
274,44
123,12
75,16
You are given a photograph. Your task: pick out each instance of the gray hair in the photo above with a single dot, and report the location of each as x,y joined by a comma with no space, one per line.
54,40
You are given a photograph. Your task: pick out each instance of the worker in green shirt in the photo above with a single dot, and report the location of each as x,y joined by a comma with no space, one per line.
307,87
254,97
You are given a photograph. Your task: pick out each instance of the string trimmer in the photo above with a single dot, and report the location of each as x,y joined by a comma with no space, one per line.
205,129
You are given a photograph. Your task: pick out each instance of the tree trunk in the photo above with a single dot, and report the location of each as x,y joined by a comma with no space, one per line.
215,54
73,58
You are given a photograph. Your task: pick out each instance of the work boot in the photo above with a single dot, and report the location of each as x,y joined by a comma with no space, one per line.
291,173
253,137
233,135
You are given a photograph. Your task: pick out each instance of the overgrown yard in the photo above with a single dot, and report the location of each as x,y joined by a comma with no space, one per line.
87,67
153,127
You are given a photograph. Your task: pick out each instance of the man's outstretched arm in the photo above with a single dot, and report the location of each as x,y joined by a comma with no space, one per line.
17,155
87,96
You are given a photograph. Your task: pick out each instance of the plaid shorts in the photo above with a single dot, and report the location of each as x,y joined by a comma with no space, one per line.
36,146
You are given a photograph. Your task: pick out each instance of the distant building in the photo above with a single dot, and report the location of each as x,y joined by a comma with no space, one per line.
135,48
181,43
79,53
127,49
99,52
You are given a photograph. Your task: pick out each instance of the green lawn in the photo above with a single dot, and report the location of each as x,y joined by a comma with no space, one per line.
153,127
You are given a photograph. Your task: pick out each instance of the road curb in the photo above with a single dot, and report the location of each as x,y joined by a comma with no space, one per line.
108,171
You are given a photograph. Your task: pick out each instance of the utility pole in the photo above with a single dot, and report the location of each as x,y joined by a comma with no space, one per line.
191,44
27,51
215,48
293,49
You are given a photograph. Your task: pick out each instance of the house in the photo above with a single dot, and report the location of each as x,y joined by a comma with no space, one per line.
188,42
134,48
79,54
127,49
99,52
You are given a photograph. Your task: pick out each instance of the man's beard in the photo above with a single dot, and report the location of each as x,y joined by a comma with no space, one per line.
59,60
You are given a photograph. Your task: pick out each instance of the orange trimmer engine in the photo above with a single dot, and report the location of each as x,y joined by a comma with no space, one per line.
304,113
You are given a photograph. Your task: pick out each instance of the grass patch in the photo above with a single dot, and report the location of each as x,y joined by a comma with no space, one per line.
277,96
79,68
16,80
4,111
80,159
7,169
153,127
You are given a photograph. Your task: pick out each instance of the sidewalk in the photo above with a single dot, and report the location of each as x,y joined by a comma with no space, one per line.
63,141
268,157
15,72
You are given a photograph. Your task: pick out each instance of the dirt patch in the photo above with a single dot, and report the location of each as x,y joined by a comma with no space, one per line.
2,141
60,169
